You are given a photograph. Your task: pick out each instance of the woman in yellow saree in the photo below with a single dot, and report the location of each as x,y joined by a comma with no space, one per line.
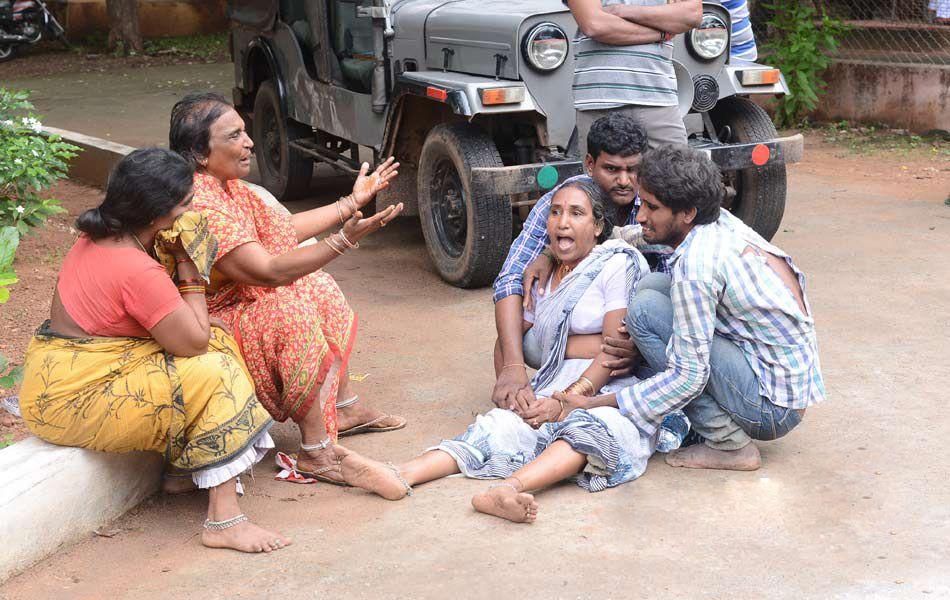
129,359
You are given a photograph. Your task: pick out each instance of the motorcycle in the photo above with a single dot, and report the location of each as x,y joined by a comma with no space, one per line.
26,22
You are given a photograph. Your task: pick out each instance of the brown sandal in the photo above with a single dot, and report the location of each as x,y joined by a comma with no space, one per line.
367,427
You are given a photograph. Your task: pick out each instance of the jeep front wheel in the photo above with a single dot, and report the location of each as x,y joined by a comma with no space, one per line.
760,191
467,231
284,171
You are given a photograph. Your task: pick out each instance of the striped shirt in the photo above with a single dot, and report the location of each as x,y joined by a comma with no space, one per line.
742,44
534,238
608,76
720,288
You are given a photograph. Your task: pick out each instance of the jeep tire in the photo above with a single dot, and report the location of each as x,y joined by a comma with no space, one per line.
760,191
467,231
284,171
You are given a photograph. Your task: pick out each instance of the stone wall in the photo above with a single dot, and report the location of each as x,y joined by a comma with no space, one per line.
157,17
910,96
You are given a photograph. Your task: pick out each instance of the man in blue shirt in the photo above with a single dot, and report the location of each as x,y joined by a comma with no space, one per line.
614,146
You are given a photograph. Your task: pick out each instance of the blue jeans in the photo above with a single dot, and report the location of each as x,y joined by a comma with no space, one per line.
730,412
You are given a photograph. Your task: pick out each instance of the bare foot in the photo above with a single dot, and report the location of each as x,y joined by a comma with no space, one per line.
701,456
505,502
316,462
245,537
178,485
361,412
370,475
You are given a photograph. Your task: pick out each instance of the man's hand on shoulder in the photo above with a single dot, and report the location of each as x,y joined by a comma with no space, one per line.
537,272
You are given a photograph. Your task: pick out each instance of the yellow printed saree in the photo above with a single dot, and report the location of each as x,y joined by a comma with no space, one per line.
125,394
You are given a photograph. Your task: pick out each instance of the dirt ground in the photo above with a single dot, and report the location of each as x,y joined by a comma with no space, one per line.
52,58
853,504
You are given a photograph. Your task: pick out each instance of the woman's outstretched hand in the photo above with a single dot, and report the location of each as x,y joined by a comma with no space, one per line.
367,186
356,227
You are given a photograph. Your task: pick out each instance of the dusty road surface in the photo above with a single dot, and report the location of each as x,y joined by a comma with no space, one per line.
853,504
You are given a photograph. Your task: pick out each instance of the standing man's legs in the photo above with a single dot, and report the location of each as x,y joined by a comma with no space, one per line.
729,413
663,124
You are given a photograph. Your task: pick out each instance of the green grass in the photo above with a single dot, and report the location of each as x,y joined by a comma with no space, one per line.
877,139
211,46
6,440
206,47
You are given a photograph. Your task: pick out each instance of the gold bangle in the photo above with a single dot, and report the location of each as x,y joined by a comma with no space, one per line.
503,367
339,211
582,387
332,245
350,202
346,240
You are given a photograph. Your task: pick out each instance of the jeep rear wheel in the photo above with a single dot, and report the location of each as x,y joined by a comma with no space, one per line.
467,231
284,171
760,191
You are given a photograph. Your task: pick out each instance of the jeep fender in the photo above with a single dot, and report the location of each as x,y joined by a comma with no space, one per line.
258,56
463,93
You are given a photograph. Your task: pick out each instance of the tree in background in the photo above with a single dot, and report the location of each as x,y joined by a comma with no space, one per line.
124,26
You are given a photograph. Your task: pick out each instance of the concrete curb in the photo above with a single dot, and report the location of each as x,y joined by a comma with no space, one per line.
52,496
97,158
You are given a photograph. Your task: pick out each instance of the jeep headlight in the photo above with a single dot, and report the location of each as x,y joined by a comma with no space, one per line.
710,39
545,47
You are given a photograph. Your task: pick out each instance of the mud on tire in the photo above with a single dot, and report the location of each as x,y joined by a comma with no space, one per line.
467,231
760,191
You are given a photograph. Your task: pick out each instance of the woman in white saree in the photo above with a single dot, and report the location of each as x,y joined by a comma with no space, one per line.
565,433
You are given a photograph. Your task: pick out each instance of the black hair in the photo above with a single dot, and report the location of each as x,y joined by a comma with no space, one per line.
601,206
616,134
189,132
143,186
682,178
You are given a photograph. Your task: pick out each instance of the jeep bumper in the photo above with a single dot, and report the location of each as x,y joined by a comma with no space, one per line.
541,177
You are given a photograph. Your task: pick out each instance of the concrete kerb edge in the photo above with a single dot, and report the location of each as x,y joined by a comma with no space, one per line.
53,496
93,164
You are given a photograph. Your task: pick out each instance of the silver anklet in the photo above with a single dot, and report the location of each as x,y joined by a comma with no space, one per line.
399,476
227,524
349,402
503,484
314,447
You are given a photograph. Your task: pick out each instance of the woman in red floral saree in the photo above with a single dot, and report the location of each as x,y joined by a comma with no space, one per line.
293,325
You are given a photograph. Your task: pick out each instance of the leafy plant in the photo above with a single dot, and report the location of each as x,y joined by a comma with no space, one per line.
30,162
9,240
802,41
6,440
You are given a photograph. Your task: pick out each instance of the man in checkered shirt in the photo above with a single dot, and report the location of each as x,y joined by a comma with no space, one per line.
728,336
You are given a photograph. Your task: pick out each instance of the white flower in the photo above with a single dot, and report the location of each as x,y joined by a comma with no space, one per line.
17,161
33,124
20,209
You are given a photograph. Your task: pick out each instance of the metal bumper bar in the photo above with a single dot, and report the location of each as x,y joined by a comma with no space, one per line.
540,177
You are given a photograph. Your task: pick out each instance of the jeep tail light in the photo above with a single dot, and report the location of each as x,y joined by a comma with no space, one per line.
545,47
759,76
502,95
